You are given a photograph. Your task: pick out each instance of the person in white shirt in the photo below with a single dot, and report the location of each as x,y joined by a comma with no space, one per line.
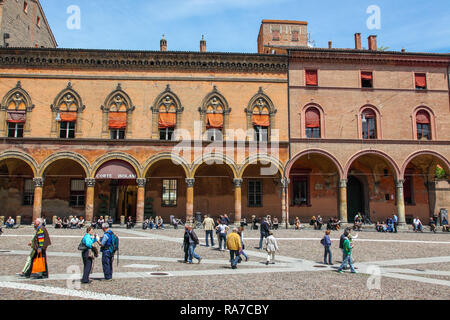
222,230
74,223
417,225
81,223
271,247
10,223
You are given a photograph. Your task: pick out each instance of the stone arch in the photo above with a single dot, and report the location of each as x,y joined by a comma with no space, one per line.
214,157
386,157
29,160
324,153
22,102
116,156
420,153
65,156
266,158
165,156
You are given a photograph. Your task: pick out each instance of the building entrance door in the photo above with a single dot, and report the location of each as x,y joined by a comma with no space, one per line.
355,198
123,197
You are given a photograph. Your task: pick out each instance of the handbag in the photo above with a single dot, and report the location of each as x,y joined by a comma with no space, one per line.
82,246
38,264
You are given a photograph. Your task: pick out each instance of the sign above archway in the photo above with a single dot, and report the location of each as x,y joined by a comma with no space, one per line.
116,170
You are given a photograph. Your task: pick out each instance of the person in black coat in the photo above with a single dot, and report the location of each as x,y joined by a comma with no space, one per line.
186,244
264,229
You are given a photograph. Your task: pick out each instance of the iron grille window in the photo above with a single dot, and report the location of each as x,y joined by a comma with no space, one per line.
255,193
169,193
28,192
77,194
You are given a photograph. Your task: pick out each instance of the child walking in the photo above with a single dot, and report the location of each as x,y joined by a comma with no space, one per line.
326,242
271,247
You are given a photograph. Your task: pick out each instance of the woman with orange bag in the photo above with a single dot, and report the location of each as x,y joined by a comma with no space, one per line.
38,269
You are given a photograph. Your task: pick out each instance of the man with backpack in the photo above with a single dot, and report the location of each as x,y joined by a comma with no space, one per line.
109,244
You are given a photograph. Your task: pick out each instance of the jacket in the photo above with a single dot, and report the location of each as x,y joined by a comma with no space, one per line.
234,242
326,241
194,237
265,228
208,223
271,244
41,240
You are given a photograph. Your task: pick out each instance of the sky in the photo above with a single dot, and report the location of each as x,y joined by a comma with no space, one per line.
233,25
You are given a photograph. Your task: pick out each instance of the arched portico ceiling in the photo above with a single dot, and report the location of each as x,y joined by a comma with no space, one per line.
320,152
117,156
176,159
393,165
65,156
415,155
214,158
263,160
29,160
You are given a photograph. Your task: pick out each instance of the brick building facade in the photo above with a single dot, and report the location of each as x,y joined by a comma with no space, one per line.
330,131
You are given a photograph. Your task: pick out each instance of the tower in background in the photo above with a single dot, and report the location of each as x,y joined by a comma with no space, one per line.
275,36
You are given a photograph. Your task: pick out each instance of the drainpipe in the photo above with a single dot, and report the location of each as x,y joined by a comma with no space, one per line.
289,134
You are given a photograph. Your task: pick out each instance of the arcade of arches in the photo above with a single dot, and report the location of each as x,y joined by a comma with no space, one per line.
311,184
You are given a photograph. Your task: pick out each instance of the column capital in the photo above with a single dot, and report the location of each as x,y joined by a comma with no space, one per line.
399,183
343,183
141,183
285,182
90,182
237,183
38,182
190,182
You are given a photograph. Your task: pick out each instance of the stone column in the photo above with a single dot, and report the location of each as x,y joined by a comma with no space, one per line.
140,201
284,201
90,190
237,200
37,204
343,201
400,202
189,198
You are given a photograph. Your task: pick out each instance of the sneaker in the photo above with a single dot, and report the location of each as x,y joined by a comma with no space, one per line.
339,271
267,263
354,272
108,280
199,260
233,267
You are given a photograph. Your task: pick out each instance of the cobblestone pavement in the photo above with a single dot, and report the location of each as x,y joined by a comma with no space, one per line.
390,266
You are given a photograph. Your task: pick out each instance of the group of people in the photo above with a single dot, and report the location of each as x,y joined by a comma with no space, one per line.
156,223
345,244
316,222
69,223
389,225
273,223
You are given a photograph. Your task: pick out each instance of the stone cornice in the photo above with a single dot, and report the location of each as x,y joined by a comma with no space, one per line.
145,60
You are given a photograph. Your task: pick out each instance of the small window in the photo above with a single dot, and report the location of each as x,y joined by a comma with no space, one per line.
366,79
261,134
295,36
67,130
300,192
28,192
15,130
421,81
423,125
166,134
214,135
255,193
117,134
276,35
77,194
312,123
169,193
311,78
369,124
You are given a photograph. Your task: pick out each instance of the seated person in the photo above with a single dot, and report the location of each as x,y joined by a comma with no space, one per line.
275,223
74,223
390,225
417,224
313,222
10,223
297,224
130,223
384,227
81,223
319,223
58,223
100,222
159,223
244,222
432,225
445,227
65,223
378,226
357,225
110,222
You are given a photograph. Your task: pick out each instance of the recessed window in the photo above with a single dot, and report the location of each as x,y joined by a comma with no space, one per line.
369,124
38,22
421,81
166,134
366,79
295,35
77,194
28,192
261,134
169,193
67,130
312,123
300,192
423,125
311,78
255,193
275,35
15,130
117,134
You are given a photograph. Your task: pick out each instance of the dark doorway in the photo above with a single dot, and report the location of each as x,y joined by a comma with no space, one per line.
123,196
355,198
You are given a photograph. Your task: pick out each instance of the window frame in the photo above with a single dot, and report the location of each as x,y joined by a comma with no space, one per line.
28,195
119,134
363,81
261,134
78,195
168,132
253,194
69,132
415,80
16,129
316,71
301,178
169,192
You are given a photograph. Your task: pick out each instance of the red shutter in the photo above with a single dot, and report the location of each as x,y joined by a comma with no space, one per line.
311,77
312,118
262,120
421,80
214,120
167,120
366,75
117,120
68,116
423,117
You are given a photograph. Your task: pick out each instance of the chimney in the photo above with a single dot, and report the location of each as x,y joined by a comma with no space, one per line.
203,44
330,45
358,41
403,50
373,43
163,44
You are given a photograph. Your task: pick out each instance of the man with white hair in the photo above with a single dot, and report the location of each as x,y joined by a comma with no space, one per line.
36,267
107,248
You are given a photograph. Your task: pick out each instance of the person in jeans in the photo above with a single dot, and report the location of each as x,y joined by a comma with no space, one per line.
241,234
223,230
271,247
395,218
326,242
344,236
88,241
347,257
107,256
193,242
208,224
264,233
234,245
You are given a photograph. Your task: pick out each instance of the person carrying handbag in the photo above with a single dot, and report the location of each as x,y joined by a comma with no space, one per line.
88,254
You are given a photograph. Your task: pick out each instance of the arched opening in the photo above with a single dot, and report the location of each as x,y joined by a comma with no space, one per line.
115,190
426,186
16,189
165,192
314,187
261,191
64,189
377,176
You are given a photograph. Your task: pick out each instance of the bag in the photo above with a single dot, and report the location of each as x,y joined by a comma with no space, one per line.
38,264
114,243
82,246
322,242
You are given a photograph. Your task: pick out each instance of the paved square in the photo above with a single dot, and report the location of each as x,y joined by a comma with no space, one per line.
412,266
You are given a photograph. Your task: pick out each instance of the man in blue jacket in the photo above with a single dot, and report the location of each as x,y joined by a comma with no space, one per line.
264,233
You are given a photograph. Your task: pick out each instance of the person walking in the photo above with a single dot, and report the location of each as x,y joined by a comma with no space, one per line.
208,224
326,242
271,247
193,242
234,245
395,218
186,243
264,233
347,257
107,251
241,234
223,230
342,239
38,267
88,254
